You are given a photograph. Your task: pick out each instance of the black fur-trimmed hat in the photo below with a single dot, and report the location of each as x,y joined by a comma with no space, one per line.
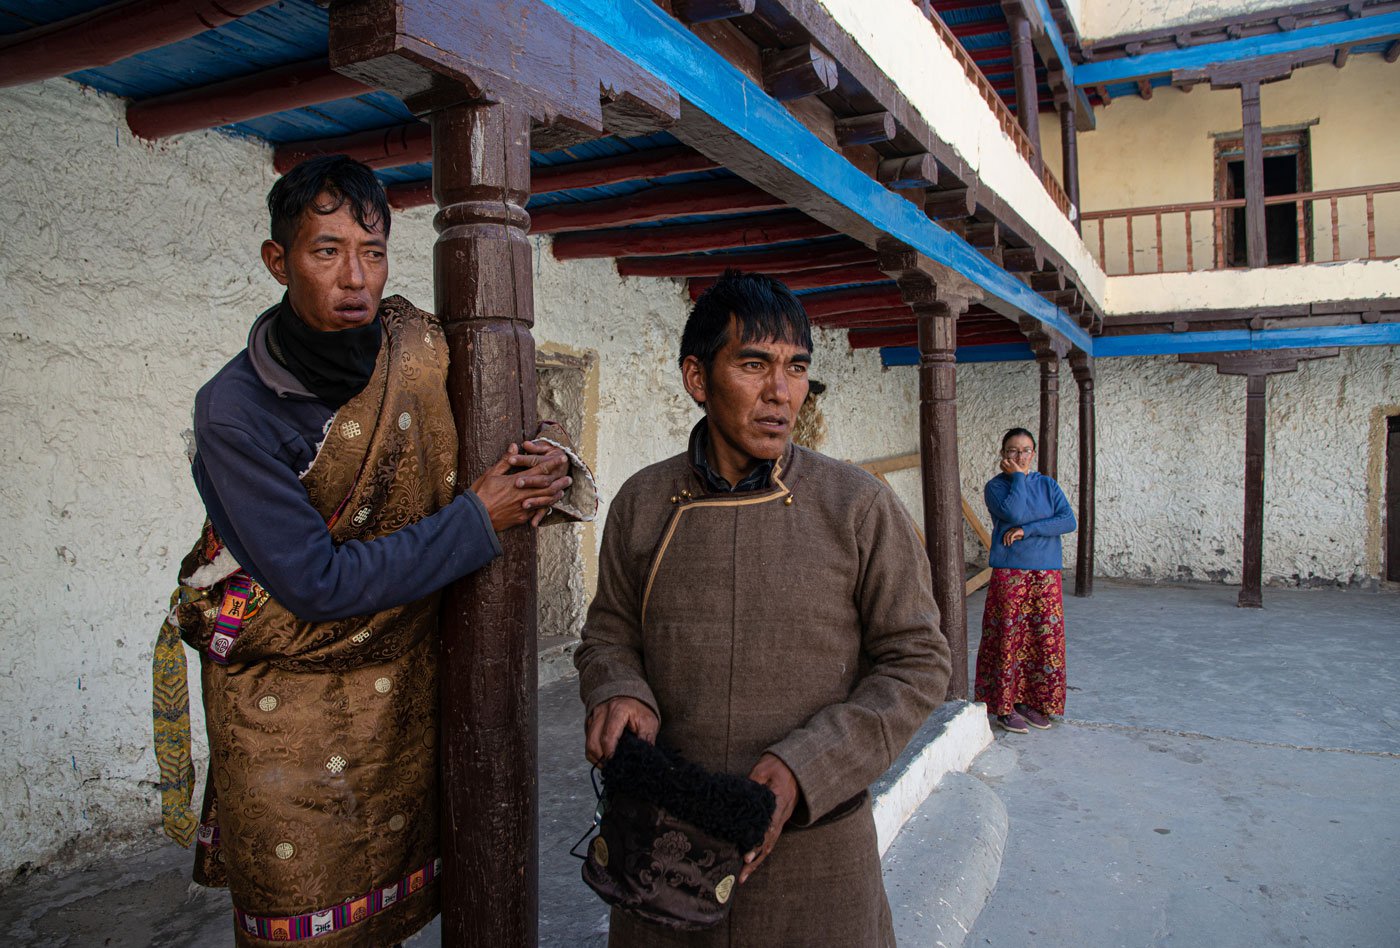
673,835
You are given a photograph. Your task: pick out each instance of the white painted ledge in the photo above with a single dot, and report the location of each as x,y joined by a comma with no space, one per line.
1271,286
949,740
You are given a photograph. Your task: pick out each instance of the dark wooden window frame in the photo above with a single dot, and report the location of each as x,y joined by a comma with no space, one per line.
1294,141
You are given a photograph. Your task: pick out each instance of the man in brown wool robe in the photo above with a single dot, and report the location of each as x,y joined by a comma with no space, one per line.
766,611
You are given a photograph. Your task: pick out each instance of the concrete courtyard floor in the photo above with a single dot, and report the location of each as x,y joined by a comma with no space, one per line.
1223,777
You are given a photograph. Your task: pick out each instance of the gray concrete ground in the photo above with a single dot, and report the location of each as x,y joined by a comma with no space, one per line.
1223,776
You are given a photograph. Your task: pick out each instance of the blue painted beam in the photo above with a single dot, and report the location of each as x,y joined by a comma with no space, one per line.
1244,340
1006,352
1052,30
644,33
1361,30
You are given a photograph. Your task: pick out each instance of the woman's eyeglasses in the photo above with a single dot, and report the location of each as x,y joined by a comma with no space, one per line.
1014,452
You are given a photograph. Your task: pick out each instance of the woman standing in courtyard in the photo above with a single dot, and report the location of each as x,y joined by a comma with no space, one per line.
1021,658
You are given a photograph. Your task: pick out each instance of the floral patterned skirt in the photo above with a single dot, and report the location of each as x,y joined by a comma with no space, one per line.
1021,659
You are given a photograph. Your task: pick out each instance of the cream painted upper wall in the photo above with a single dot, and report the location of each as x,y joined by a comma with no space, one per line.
895,34
1161,151
1104,18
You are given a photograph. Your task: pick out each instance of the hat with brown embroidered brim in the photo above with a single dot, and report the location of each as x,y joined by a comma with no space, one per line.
672,836
582,498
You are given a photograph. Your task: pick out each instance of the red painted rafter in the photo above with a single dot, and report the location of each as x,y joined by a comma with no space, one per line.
979,29
807,279
756,230
877,338
391,147
820,306
635,166
654,204
111,33
237,100
787,260
868,319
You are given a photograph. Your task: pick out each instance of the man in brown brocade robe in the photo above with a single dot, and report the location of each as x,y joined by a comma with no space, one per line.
326,457
766,611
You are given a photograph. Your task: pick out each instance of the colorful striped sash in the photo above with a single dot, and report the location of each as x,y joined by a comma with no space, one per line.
232,612
350,912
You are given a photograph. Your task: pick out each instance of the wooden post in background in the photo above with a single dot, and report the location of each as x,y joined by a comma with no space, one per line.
1049,439
937,306
1083,366
484,296
1256,367
1069,150
1252,570
1256,234
942,486
1023,65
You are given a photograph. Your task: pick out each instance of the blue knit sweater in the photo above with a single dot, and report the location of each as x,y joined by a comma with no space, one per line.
1036,504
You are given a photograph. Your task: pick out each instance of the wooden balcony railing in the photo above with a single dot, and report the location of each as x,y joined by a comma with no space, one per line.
1005,117
1122,249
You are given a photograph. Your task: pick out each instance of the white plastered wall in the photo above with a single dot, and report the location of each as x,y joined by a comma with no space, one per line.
1161,151
1098,19
128,274
896,35
1170,463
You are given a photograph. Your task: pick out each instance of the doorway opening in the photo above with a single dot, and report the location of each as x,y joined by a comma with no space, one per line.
1287,170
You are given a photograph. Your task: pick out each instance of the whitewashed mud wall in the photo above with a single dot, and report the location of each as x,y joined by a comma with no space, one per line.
128,274
1170,498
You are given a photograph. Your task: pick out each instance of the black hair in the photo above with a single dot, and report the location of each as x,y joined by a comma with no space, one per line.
344,179
1014,432
764,308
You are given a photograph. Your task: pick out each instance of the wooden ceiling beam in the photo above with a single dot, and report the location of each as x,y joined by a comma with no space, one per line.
635,166
881,318
282,89
854,300
392,147
654,204
806,279
843,252
757,230
109,34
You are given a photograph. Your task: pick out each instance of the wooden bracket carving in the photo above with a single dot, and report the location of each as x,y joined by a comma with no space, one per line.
866,129
1258,362
798,72
912,171
431,56
922,280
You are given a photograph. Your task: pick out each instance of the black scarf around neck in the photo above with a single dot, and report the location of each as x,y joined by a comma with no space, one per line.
335,366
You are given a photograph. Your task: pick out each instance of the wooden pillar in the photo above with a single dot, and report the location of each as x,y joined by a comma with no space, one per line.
1256,367
1069,149
1255,233
484,295
1083,367
1252,571
1027,89
1049,440
942,486
938,297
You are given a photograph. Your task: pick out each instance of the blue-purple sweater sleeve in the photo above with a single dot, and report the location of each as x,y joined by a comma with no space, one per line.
1009,498
1060,522
262,513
